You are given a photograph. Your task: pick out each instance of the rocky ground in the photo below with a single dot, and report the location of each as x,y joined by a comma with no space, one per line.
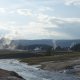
68,63
70,66
9,75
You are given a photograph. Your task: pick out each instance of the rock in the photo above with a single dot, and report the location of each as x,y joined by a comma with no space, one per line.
14,74
9,75
10,78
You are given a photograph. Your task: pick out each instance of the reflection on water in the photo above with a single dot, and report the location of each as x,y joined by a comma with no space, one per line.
33,73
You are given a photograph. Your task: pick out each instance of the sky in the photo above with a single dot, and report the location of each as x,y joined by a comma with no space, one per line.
40,19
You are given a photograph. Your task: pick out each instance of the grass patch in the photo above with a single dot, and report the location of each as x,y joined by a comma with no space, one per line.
38,60
12,52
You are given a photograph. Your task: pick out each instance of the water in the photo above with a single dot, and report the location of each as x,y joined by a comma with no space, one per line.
33,73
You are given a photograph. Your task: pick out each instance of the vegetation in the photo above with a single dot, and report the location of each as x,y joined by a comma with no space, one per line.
76,47
31,47
37,60
12,51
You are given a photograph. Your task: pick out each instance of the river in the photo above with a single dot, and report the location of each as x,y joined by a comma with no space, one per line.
32,72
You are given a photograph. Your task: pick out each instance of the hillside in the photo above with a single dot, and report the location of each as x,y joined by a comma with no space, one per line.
67,43
61,43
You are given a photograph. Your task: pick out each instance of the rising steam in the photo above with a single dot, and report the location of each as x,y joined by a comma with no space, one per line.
6,41
54,44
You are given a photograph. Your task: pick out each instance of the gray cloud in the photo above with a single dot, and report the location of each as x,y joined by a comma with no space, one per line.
72,2
69,26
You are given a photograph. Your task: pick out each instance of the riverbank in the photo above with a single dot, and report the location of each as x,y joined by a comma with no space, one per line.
31,72
67,67
40,59
61,63
9,75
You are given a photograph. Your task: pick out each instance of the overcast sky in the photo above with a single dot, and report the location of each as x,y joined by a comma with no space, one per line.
40,19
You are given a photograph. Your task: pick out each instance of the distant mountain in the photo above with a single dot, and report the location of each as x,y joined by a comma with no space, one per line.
32,42
61,43
67,43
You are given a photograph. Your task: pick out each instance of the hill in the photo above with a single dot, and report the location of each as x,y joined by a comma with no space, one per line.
61,43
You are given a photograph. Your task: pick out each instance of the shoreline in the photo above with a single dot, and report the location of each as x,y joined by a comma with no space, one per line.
67,67
36,66
70,65
9,75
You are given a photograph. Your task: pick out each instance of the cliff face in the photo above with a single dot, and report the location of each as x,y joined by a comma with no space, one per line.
9,75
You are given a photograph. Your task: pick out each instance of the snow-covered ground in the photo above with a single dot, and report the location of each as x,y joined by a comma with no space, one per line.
33,73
